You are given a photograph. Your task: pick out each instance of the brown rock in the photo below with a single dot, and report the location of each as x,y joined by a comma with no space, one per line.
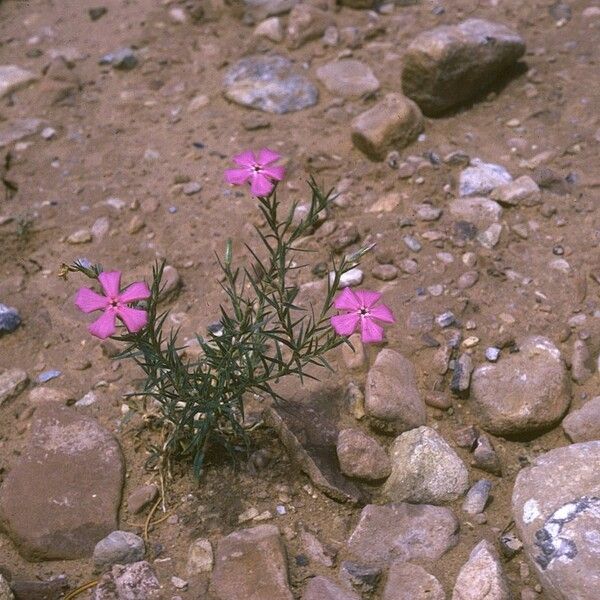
583,425
392,399
361,456
403,532
12,383
354,356
141,497
251,564
449,65
411,582
54,512
391,124
321,588
306,23
348,78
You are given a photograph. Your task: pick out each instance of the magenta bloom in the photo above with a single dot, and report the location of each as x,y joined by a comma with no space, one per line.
360,310
262,177
114,304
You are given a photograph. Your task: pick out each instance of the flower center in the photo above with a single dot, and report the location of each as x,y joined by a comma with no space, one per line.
364,312
257,168
114,303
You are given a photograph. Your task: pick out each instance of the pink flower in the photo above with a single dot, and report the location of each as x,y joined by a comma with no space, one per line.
360,309
262,176
114,304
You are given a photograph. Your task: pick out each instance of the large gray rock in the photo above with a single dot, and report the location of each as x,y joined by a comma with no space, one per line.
269,83
348,78
525,393
556,508
583,425
393,402
481,577
321,588
406,581
119,547
393,123
425,469
402,532
449,65
251,564
63,494
13,78
480,178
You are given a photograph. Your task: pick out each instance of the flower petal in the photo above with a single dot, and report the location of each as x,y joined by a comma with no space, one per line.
367,297
345,324
370,331
134,318
266,156
261,185
383,313
104,326
110,282
347,300
245,159
88,301
237,176
136,291
277,173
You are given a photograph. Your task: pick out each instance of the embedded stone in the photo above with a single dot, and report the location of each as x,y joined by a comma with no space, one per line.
348,78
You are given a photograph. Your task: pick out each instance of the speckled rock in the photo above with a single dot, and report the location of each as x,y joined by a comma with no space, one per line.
120,547
348,78
583,425
425,469
136,581
12,383
482,212
393,402
556,508
361,456
449,65
524,393
480,178
407,581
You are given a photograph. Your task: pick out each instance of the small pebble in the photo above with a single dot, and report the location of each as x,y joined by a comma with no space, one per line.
445,319
492,353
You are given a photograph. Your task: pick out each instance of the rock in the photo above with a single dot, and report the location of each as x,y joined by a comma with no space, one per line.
392,400
270,28
556,508
314,550
481,178
44,395
97,13
123,59
481,577
118,547
305,23
81,236
261,9
426,212
582,364
350,278
461,374
307,427
524,394
522,191
5,591
583,425
491,236
361,456
13,78
450,65
364,578
387,203
384,272
477,497
12,383
366,4
406,581
403,532
55,513
354,356
141,497
321,588
425,469
136,581
348,78
55,587
391,124
467,280
251,564
485,457
198,102
482,212
200,557
170,284
270,84
17,129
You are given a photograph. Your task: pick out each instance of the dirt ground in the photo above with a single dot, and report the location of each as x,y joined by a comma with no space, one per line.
130,135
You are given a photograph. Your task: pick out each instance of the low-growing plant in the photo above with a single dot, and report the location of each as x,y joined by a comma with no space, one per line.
263,335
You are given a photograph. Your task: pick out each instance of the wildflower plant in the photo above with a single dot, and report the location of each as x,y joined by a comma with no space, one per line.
264,334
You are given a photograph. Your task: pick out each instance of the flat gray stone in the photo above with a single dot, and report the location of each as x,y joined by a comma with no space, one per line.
321,588
480,178
402,532
251,564
13,78
452,64
52,512
17,129
407,581
119,547
348,78
556,508
425,469
269,83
